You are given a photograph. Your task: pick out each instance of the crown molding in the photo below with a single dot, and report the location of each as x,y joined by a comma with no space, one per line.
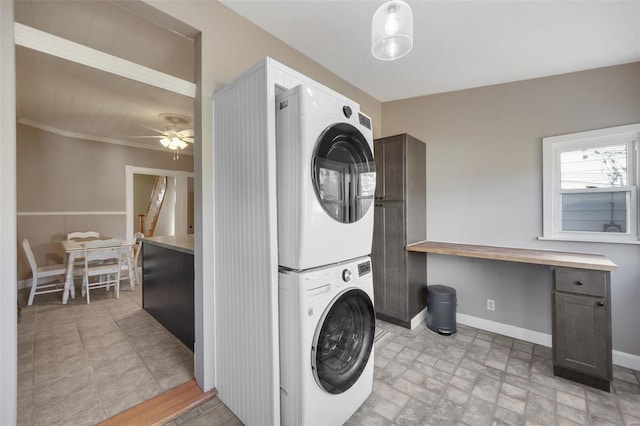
76,135
57,46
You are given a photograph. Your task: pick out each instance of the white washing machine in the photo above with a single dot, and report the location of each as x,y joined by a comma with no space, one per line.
326,179
327,326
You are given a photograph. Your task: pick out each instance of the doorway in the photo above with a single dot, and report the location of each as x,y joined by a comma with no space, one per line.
8,139
178,210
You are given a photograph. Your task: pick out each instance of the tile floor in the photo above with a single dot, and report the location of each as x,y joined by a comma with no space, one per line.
471,378
480,378
79,364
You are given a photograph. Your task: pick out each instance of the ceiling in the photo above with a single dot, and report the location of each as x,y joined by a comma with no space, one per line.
457,44
73,99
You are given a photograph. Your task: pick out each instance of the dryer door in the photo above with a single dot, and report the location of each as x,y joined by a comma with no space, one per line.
344,173
343,341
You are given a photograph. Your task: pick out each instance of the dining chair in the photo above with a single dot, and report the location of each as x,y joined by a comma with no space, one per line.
79,261
106,273
131,255
39,272
87,234
137,248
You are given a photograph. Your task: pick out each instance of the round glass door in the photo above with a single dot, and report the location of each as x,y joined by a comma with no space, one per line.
344,173
343,341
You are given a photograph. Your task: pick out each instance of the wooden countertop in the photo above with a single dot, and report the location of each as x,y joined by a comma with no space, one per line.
183,243
539,257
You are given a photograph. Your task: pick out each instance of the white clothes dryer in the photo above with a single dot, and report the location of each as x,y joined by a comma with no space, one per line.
326,179
327,326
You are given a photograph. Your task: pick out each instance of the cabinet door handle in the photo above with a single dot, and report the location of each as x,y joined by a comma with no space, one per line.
601,303
579,282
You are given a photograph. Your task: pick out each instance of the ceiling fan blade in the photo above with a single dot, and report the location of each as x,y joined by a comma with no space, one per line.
147,137
186,133
190,140
162,132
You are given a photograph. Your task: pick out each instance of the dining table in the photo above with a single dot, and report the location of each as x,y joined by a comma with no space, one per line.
74,250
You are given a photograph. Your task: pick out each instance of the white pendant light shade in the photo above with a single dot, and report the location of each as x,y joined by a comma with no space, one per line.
392,30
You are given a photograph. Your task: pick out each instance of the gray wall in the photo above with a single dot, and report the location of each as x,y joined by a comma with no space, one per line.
484,186
59,174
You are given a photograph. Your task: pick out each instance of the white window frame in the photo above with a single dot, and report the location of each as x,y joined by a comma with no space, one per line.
552,207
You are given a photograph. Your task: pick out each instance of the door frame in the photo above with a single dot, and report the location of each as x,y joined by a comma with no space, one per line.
180,180
8,212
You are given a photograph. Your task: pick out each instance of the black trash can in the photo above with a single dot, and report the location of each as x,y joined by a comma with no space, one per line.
441,309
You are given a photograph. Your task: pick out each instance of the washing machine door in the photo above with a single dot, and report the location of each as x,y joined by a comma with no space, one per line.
343,341
344,173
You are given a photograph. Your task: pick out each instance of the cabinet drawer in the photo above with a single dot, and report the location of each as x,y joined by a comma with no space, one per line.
580,281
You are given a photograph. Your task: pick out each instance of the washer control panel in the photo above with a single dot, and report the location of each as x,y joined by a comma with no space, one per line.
346,275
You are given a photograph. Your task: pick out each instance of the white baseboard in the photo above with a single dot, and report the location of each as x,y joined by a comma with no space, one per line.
420,317
22,284
622,359
505,329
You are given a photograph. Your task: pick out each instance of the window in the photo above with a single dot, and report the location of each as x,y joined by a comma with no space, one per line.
591,185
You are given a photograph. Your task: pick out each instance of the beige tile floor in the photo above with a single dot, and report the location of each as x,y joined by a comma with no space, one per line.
471,378
79,364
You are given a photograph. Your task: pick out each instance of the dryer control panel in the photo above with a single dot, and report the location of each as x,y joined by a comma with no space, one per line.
364,268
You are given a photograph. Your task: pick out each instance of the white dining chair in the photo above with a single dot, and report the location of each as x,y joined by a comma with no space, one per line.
137,248
87,234
39,272
106,273
130,258
79,261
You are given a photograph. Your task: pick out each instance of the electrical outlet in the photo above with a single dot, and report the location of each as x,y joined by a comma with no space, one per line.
491,305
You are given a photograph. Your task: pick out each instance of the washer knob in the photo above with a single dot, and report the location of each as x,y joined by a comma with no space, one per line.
346,275
347,111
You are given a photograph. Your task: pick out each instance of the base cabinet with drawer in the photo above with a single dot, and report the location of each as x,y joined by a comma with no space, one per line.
582,326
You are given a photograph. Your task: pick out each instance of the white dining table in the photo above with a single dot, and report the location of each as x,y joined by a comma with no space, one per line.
74,249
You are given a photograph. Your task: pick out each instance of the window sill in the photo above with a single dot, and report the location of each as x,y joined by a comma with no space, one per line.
590,240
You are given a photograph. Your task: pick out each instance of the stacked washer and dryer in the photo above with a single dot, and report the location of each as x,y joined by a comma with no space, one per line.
326,183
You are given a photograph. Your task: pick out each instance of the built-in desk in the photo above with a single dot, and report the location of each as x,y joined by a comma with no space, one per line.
581,305
167,289
596,262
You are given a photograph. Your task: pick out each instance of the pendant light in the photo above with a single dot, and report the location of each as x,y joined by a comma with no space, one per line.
392,31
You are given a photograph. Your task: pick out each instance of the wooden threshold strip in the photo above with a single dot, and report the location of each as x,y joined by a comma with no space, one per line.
164,407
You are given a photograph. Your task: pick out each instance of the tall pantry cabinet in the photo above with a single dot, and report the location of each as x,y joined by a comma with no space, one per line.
399,277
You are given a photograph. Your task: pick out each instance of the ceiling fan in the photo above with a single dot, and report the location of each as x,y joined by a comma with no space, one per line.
173,137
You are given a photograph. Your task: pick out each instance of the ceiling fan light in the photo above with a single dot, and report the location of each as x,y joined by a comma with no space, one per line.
165,142
392,31
183,144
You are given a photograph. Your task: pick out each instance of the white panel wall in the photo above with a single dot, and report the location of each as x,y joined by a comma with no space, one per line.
245,241
246,348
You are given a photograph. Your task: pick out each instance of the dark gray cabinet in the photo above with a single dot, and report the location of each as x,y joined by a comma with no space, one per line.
399,277
582,326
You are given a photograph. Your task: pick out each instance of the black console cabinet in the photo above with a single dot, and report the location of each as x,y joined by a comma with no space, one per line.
167,292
